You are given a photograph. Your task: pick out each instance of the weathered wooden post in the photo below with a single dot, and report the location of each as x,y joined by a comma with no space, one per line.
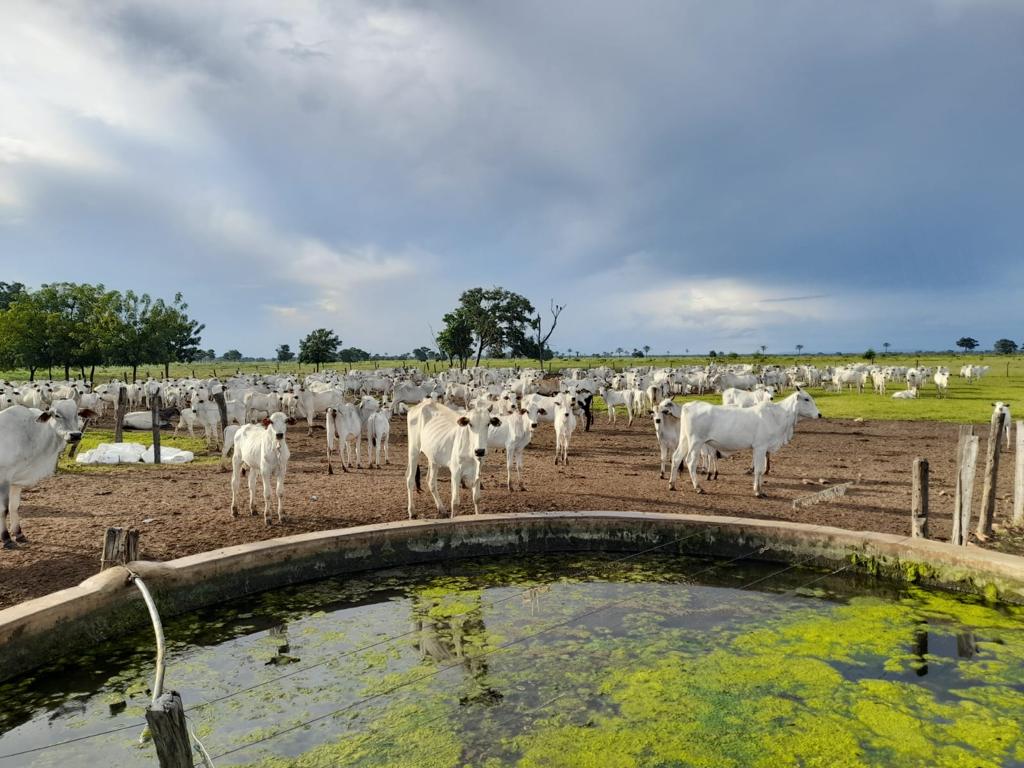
222,407
166,718
919,500
988,496
1018,477
120,547
155,404
967,458
119,409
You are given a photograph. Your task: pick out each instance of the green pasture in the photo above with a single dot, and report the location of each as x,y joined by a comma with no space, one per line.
93,437
965,403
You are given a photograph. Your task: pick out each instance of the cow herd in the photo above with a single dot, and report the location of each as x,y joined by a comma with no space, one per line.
455,419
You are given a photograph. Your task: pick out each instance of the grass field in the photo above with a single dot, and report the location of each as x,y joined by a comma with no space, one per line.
965,402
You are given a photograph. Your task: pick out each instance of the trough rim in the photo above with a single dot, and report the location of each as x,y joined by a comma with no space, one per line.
257,566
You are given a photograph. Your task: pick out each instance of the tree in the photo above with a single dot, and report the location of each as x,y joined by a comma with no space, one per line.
285,354
9,292
764,348
422,353
125,333
886,346
712,354
870,354
647,350
233,355
173,335
799,348
456,338
620,351
353,355
966,343
21,342
541,353
498,319
1004,347
319,347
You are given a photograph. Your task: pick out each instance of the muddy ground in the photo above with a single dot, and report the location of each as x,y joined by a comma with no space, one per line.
182,510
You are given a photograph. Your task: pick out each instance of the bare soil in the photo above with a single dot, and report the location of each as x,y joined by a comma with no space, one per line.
184,509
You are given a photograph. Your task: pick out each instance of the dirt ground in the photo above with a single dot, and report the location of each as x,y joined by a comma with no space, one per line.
182,510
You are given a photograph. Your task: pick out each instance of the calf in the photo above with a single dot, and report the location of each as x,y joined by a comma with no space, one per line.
343,423
612,398
447,438
743,399
513,436
1001,407
262,448
379,432
565,425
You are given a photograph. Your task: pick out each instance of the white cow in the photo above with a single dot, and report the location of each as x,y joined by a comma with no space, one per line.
261,448
540,407
1007,423
743,399
764,428
447,438
343,423
666,428
613,398
309,404
30,443
565,425
513,436
878,378
941,379
906,394
379,431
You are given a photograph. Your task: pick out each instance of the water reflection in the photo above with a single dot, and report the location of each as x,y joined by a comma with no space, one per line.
460,636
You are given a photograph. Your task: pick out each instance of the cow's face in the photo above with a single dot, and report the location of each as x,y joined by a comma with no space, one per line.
805,406
277,423
66,419
478,421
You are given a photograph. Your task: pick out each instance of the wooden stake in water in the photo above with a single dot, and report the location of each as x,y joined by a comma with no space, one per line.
988,496
1018,477
919,500
166,718
967,458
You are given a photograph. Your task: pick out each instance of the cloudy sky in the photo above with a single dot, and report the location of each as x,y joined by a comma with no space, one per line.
687,175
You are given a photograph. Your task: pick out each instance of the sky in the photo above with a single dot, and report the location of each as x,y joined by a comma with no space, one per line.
682,175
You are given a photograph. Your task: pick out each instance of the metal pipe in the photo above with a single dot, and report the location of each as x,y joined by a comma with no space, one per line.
158,630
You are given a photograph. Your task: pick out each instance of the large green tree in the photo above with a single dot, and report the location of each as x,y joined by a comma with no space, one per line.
284,353
1005,347
499,319
456,338
319,347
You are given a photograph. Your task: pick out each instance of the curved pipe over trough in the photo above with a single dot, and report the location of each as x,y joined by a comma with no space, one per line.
105,605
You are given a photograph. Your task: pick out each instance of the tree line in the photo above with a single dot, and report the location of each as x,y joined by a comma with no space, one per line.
75,326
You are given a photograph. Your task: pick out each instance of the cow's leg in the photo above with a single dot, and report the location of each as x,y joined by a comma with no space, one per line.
410,481
767,463
280,493
629,413
678,463
236,477
387,438
477,487
265,476
519,469
14,519
664,454
252,490
759,463
692,457
5,495
359,442
456,472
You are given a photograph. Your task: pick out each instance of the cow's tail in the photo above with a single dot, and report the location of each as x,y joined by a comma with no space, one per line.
373,440
418,488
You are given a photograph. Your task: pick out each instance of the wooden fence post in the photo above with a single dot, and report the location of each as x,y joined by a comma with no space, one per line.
119,409
166,718
967,457
120,547
1018,477
919,500
222,406
155,403
988,496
